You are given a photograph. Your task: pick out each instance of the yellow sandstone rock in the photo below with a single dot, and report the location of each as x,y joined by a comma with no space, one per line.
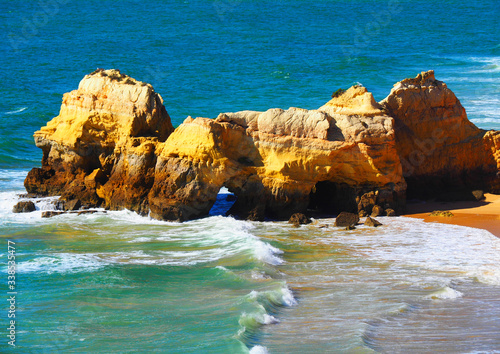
441,151
273,160
113,144
111,124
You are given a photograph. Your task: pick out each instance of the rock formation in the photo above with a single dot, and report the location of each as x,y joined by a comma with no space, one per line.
100,149
113,145
298,219
280,162
441,151
346,219
24,207
372,222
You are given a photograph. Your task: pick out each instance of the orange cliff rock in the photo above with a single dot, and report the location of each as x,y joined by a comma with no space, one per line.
441,151
113,145
100,149
277,163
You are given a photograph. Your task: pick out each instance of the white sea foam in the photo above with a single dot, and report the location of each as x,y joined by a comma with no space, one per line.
12,180
133,218
485,120
279,297
9,199
44,204
61,263
263,302
483,109
288,298
209,239
470,80
224,190
444,293
202,241
257,275
256,319
490,64
141,240
16,111
259,349
267,253
13,174
253,295
89,262
268,319
467,252
487,275
11,187
478,85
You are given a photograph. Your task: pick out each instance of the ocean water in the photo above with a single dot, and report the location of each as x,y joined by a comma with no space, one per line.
115,282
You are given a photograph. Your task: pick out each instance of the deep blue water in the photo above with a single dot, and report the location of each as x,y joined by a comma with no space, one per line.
120,283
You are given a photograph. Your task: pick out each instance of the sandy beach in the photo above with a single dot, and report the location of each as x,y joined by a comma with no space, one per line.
483,214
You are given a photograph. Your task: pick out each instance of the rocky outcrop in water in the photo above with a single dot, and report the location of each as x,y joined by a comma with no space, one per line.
113,145
346,219
372,222
279,162
442,153
298,219
100,149
24,207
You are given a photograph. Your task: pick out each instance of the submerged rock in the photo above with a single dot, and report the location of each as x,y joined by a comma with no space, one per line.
50,214
84,212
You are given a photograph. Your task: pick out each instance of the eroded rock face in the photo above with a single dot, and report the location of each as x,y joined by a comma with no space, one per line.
113,144
492,145
100,149
441,151
279,162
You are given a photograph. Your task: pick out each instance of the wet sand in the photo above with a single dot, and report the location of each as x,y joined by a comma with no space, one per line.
483,214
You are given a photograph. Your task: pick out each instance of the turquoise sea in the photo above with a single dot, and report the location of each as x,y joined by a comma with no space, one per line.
116,282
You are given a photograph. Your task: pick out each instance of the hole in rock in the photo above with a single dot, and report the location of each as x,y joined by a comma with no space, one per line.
329,198
224,202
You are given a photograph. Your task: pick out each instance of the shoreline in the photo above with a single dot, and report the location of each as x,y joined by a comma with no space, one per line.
484,214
